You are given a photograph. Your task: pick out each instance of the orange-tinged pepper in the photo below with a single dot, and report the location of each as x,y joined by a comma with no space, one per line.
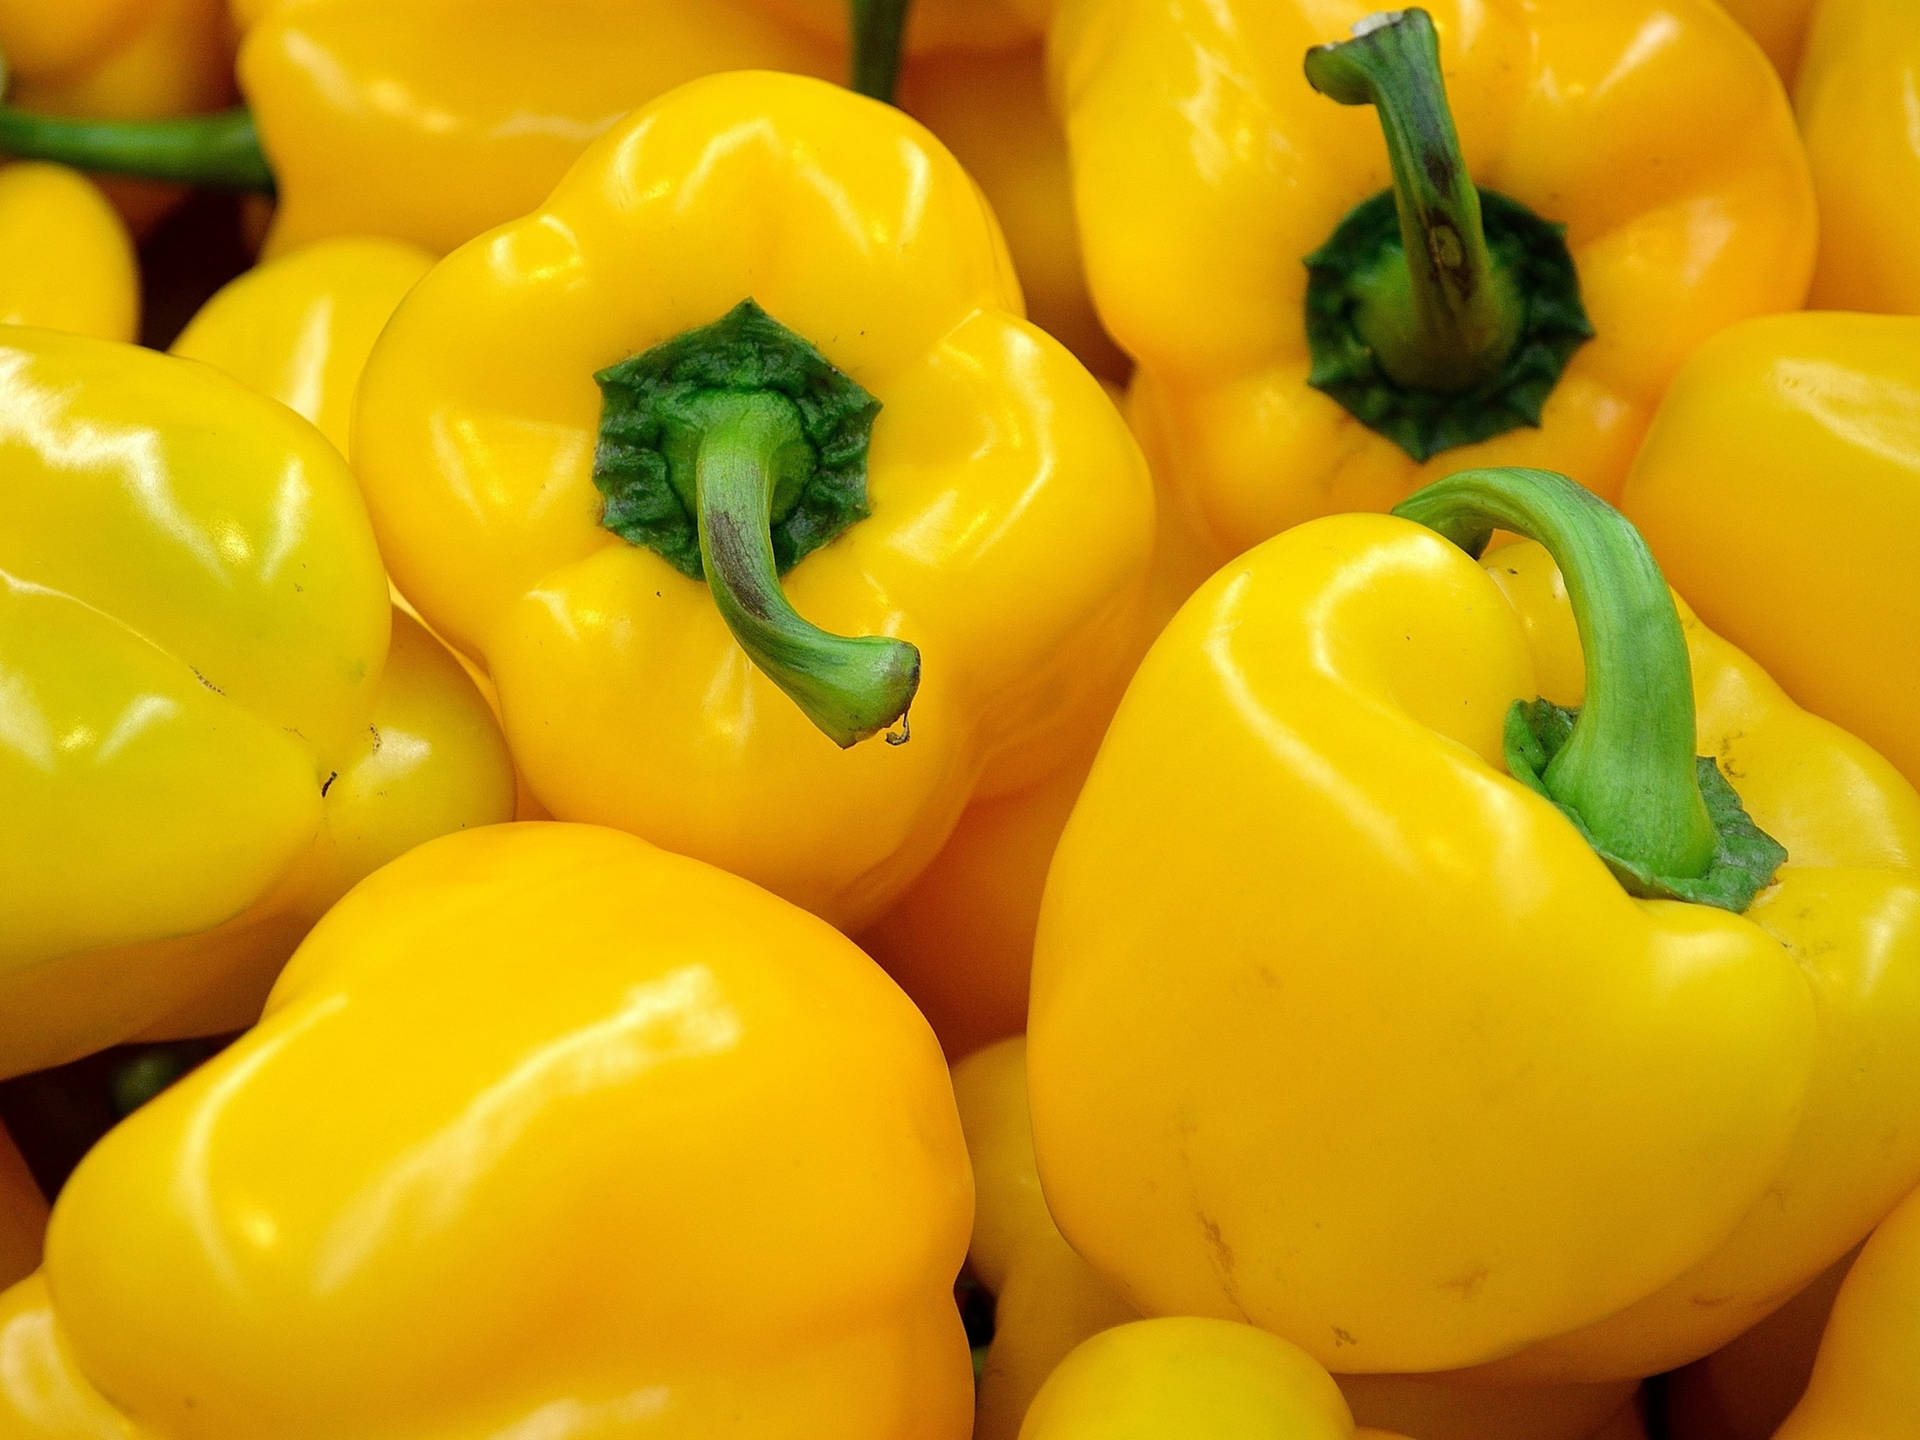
1865,1385
124,59
1010,514
1746,1388
299,327
1407,970
23,1214
1780,27
209,734
1855,96
931,25
491,1072
1778,431
1653,130
433,120
991,110
66,259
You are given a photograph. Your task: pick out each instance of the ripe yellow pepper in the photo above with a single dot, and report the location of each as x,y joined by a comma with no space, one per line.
1047,1299
1241,248
1855,99
544,1132
1865,1383
1417,961
119,59
299,328
209,735
1780,27
611,549
930,25
1778,431
66,259
1190,1379
23,1215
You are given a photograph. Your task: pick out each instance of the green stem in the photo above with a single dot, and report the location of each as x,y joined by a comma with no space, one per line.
1628,768
850,687
879,33
221,150
1446,324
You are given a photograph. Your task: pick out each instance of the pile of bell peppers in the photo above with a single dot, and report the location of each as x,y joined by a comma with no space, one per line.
1031,719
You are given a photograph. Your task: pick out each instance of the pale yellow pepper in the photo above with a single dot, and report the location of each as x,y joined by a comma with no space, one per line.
545,1132
1855,96
1189,1379
211,732
66,259
299,327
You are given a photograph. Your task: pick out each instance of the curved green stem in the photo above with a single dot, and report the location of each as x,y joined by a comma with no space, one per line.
1445,321
1628,770
879,34
850,687
221,150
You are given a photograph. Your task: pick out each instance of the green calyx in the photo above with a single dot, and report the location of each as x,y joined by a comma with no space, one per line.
1622,767
1438,314
220,150
733,451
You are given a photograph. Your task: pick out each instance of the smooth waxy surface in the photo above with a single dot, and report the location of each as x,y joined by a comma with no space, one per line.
1409,976
66,259
686,1156
1011,514
1206,169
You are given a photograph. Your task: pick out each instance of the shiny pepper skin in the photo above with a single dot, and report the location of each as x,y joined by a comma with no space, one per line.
209,727
1653,129
299,328
687,1159
1780,430
118,59
1854,95
430,121
1011,515
1380,933
1865,1383
66,259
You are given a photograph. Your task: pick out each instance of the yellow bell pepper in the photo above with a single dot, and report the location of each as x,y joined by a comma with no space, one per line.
1855,98
612,549
1865,1383
1780,27
544,1132
209,738
23,1214
1746,1388
66,259
1047,1299
1638,177
1778,431
299,328
929,25
1189,1379
119,59
1408,960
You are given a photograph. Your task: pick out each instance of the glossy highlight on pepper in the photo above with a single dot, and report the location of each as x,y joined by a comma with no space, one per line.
1008,519
688,1159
